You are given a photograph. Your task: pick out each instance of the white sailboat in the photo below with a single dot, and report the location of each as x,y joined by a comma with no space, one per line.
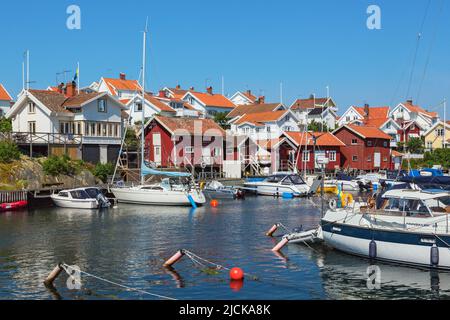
177,189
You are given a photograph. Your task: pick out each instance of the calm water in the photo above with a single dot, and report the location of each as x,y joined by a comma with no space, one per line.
128,245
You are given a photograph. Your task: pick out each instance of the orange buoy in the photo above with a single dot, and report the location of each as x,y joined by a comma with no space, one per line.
236,285
280,245
175,258
214,203
237,274
272,230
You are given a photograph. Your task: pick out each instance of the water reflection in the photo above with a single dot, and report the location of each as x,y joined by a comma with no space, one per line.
129,244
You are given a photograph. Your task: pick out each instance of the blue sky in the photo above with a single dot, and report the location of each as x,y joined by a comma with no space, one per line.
307,45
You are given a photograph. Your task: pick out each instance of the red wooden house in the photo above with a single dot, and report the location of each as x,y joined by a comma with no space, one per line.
410,129
185,142
366,148
311,146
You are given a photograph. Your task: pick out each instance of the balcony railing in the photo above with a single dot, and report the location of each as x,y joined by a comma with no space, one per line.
42,138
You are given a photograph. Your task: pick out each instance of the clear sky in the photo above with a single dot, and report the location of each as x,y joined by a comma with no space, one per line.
307,45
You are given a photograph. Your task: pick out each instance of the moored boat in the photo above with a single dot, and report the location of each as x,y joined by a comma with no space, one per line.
81,198
279,184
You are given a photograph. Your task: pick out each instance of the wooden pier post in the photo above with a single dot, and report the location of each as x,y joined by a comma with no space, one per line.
53,276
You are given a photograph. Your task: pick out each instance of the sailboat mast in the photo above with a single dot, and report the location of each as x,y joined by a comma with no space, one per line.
143,103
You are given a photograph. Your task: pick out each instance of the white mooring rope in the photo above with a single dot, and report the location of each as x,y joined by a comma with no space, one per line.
66,267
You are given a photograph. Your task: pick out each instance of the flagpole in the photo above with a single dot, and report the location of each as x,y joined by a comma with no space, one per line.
78,77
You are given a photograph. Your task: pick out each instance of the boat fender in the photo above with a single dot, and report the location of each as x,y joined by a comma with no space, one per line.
272,230
333,204
175,258
373,250
434,256
281,245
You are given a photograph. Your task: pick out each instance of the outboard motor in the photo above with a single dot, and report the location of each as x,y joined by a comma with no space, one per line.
103,201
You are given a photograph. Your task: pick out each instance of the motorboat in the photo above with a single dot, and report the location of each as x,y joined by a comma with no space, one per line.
345,182
169,192
279,184
81,198
408,227
216,190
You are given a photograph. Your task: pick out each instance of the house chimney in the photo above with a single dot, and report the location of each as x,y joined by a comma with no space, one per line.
162,94
311,96
71,89
61,88
249,92
366,111
209,90
123,76
191,89
178,87
409,101
261,100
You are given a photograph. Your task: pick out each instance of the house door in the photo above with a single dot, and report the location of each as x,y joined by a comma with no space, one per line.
206,156
318,154
157,148
377,160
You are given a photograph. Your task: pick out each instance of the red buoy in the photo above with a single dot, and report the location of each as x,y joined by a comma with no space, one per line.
237,274
214,203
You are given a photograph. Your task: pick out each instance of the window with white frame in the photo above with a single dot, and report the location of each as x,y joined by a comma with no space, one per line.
369,143
32,126
31,107
355,158
354,141
440,132
332,156
430,145
306,156
102,105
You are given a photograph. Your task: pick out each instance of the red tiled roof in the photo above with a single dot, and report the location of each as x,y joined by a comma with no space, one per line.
268,144
157,103
308,103
369,132
252,108
119,84
397,154
52,100
125,101
375,122
191,125
4,95
261,118
250,96
78,100
213,100
417,109
374,112
326,139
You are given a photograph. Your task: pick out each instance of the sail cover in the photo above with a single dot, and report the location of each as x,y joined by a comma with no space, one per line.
147,171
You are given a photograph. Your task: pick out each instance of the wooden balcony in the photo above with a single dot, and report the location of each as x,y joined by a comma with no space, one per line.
38,138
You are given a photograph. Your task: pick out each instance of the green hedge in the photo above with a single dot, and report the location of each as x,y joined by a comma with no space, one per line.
9,152
55,166
102,171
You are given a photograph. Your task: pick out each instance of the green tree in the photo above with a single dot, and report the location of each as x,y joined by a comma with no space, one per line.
55,166
222,120
9,152
5,125
415,145
317,127
102,171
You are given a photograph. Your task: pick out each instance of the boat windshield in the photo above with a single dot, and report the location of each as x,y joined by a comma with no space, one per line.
274,179
296,179
409,207
439,205
93,192
79,194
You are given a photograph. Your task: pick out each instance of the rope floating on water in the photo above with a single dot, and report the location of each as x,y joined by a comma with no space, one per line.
70,271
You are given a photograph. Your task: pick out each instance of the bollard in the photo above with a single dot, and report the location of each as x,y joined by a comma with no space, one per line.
53,276
280,245
175,258
272,230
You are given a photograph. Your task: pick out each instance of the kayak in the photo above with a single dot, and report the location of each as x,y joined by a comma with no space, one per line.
13,205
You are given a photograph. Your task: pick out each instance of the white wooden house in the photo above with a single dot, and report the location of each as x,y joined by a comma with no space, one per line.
94,122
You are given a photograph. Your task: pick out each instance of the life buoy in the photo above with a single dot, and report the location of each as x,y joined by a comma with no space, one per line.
347,199
332,204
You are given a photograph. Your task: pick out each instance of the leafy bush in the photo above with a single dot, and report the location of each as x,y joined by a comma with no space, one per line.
5,125
9,152
102,171
55,166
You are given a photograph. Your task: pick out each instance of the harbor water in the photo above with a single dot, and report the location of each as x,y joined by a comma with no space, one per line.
128,245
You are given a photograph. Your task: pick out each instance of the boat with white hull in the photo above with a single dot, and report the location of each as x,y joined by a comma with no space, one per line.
402,226
278,184
164,194
81,198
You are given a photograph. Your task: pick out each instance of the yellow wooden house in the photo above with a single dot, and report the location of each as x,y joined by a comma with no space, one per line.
438,136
